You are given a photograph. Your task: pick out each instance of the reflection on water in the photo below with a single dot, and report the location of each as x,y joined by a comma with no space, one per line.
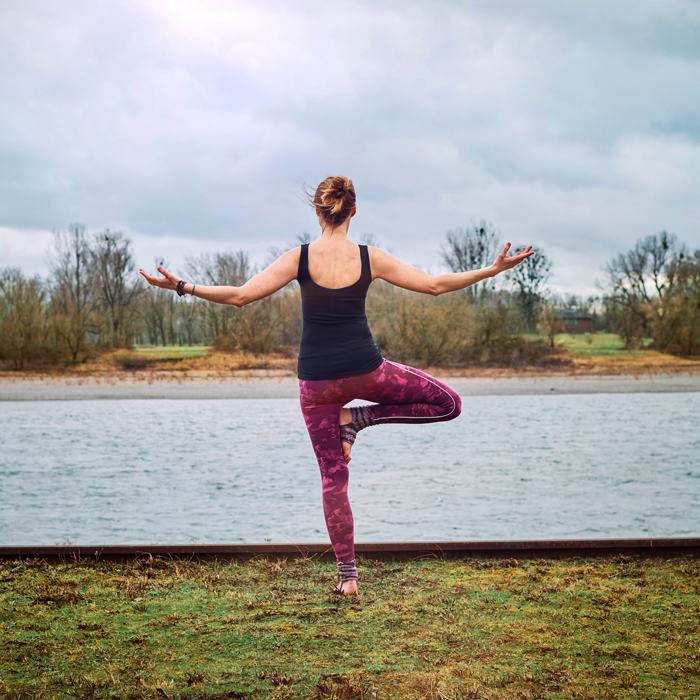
242,470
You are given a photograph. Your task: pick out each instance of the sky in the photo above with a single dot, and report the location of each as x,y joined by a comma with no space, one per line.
192,126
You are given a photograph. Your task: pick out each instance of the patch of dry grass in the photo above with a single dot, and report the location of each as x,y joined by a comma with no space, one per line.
123,364
579,628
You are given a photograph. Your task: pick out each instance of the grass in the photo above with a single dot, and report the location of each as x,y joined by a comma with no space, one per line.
439,630
600,345
605,354
166,352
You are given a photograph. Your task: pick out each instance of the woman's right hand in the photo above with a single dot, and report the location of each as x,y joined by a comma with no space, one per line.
168,281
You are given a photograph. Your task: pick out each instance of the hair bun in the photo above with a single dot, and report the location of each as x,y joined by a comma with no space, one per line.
334,198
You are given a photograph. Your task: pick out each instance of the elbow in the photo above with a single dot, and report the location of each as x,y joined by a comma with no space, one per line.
435,288
238,299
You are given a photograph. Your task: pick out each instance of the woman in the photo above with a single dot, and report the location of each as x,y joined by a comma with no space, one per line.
338,359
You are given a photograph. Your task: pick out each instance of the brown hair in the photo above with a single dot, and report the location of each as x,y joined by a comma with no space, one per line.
335,198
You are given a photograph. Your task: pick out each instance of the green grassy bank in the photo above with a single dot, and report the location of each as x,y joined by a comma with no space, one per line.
599,345
580,628
170,352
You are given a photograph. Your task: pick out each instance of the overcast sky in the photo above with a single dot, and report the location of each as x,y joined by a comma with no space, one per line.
191,126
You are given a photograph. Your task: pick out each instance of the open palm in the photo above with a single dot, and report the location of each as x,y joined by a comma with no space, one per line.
507,262
167,282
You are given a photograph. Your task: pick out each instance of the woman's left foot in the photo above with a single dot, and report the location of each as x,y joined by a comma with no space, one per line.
347,588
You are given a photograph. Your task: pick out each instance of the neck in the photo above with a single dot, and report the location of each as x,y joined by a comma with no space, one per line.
339,231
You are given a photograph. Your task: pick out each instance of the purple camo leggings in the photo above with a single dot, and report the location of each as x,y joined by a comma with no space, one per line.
401,395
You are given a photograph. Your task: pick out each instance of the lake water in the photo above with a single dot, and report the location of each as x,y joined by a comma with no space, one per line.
242,470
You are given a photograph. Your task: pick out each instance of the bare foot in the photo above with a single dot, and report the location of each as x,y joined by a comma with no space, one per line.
349,588
345,418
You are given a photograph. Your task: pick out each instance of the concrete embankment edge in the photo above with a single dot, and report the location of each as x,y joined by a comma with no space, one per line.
517,549
287,387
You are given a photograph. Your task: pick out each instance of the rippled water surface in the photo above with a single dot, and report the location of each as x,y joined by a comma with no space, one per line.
242,470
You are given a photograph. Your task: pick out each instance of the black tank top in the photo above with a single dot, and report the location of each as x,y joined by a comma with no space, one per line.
335,338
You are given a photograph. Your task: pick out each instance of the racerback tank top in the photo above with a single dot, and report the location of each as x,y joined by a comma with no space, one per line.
335,339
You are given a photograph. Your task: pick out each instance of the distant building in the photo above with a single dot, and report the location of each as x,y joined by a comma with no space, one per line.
573,321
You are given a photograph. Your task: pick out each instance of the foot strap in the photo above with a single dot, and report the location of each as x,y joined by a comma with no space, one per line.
361,419
347,571
348,434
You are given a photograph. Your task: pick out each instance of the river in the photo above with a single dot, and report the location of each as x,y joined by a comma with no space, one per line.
242,470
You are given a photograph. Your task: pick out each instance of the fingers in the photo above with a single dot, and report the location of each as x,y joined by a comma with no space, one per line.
524,253
512,261
149,279
158,281
517,259
167,275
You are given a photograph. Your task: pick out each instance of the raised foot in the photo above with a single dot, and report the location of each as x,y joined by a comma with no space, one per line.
345,418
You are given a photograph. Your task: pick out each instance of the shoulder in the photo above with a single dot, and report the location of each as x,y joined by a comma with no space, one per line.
288,261
376,254
293,255
380,261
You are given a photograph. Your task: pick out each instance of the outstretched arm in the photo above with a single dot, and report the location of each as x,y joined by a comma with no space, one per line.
385,266
272,278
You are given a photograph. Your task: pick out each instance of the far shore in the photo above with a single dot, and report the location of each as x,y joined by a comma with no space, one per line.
265,384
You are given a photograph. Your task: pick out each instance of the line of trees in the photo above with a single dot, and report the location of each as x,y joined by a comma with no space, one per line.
489,322
653,291
93,298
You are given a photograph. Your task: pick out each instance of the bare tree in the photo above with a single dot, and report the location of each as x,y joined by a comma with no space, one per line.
472,248
254,327
641,285
687,310
549,320
156,308
528,280
22,326
189,312
118,287
232,268
413,327
72,288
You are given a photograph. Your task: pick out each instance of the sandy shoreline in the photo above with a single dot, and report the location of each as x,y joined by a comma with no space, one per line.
285,386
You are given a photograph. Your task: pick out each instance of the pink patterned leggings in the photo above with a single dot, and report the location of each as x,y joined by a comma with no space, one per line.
401,395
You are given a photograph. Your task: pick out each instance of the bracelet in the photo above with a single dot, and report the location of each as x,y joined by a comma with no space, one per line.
180,289
193,286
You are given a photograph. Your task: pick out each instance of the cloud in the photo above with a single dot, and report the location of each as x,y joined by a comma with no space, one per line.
26,249
574,126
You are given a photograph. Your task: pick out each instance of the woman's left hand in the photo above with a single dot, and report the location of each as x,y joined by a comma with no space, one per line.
505,262
168,281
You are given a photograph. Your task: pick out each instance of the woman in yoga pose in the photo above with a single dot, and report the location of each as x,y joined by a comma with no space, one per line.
338,359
